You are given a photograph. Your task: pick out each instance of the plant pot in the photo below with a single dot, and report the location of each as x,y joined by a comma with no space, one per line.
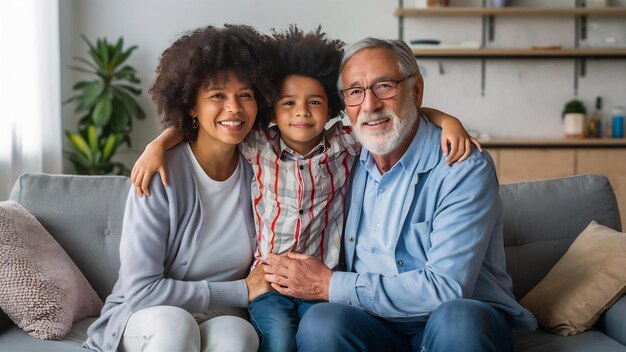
574,125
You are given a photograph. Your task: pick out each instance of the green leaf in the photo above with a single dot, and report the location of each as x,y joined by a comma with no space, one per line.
79,144
97,157
92,92
102,111
103,53
125,72
120,118
131,89
81,163
110,146
123,56
129,103
86,62
94,54
92,138
83,70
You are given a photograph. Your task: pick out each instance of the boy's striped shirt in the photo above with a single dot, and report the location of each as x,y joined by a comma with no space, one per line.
299,201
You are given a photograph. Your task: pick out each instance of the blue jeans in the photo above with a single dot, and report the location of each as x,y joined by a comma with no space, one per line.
458,325
276,318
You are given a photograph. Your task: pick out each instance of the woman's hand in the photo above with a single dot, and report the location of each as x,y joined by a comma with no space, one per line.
150,161
460,142
256,283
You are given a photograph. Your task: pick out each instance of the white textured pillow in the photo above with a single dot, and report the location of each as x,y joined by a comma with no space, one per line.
41,289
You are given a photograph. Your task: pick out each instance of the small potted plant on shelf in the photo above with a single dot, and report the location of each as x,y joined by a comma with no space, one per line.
574,114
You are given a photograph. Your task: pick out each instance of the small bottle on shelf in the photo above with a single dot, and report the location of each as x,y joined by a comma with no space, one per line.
594,125
618,122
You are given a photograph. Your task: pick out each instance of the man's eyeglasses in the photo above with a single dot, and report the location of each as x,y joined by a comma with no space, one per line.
354,96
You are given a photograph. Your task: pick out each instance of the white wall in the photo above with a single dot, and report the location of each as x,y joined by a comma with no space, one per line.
522,97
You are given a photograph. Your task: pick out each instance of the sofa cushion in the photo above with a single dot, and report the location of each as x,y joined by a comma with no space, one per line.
84,215
583,284
41,289
543,341
16,340
542,219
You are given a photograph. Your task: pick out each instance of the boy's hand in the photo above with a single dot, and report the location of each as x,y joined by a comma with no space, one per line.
459,141
256,283
150,161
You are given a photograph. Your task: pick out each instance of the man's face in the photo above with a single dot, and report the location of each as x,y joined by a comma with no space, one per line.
381,125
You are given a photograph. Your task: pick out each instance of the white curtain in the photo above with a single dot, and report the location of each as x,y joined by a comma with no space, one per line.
30,98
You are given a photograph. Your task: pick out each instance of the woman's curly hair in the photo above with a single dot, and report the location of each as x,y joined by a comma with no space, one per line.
198,56
313,55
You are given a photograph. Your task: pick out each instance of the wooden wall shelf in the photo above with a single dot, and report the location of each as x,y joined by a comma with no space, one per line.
520,53
509,11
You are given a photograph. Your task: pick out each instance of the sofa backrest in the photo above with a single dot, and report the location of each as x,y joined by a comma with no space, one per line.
84,214
542,219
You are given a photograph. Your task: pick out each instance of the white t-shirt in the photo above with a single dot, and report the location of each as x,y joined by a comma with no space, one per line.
224,253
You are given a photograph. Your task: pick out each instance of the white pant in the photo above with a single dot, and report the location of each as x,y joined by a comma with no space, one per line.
172,329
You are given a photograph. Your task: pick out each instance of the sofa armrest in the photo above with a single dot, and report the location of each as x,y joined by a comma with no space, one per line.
613,321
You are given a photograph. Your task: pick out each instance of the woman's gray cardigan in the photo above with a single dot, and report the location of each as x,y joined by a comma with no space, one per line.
160,236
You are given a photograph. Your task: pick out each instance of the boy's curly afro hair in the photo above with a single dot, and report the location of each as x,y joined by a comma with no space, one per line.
198,57
313,55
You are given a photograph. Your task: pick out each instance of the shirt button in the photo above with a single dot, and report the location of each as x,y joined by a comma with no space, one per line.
301,167
400,263
113,334
107,232
301,211
351,239
183,262
381,190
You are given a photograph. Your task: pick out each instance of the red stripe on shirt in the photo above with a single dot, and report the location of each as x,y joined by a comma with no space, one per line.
330,199
273,229
257,200
296,235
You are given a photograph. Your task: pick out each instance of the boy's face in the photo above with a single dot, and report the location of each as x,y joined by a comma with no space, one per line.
225,109
301,112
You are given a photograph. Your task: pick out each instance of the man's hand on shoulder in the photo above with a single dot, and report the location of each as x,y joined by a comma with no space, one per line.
298,275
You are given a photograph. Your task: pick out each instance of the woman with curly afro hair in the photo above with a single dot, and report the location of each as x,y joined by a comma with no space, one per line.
186,251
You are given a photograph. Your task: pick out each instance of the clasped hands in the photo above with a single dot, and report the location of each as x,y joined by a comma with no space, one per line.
296,275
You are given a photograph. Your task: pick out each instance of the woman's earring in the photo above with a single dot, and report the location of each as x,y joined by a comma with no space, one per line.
194,123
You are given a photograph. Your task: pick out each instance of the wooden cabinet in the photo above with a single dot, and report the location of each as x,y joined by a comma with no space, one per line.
530,160
611,163
517,165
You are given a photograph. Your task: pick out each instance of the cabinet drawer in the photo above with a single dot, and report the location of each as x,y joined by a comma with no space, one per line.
518,165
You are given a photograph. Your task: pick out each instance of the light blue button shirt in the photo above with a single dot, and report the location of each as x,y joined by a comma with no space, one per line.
425,233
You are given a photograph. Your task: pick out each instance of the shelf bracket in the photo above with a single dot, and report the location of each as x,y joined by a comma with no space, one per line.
401,21
491,27
483,78
583,27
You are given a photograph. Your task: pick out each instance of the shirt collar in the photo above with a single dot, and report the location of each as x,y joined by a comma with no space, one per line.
422,154
318,149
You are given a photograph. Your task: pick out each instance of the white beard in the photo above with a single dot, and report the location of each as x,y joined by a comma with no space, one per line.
385,141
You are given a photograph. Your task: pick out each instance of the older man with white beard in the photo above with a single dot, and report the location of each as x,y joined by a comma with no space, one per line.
424,253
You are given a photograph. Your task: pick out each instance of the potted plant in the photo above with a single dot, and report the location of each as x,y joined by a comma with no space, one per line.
574,114
108,102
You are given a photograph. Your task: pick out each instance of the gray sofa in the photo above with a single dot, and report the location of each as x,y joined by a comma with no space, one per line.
542,219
